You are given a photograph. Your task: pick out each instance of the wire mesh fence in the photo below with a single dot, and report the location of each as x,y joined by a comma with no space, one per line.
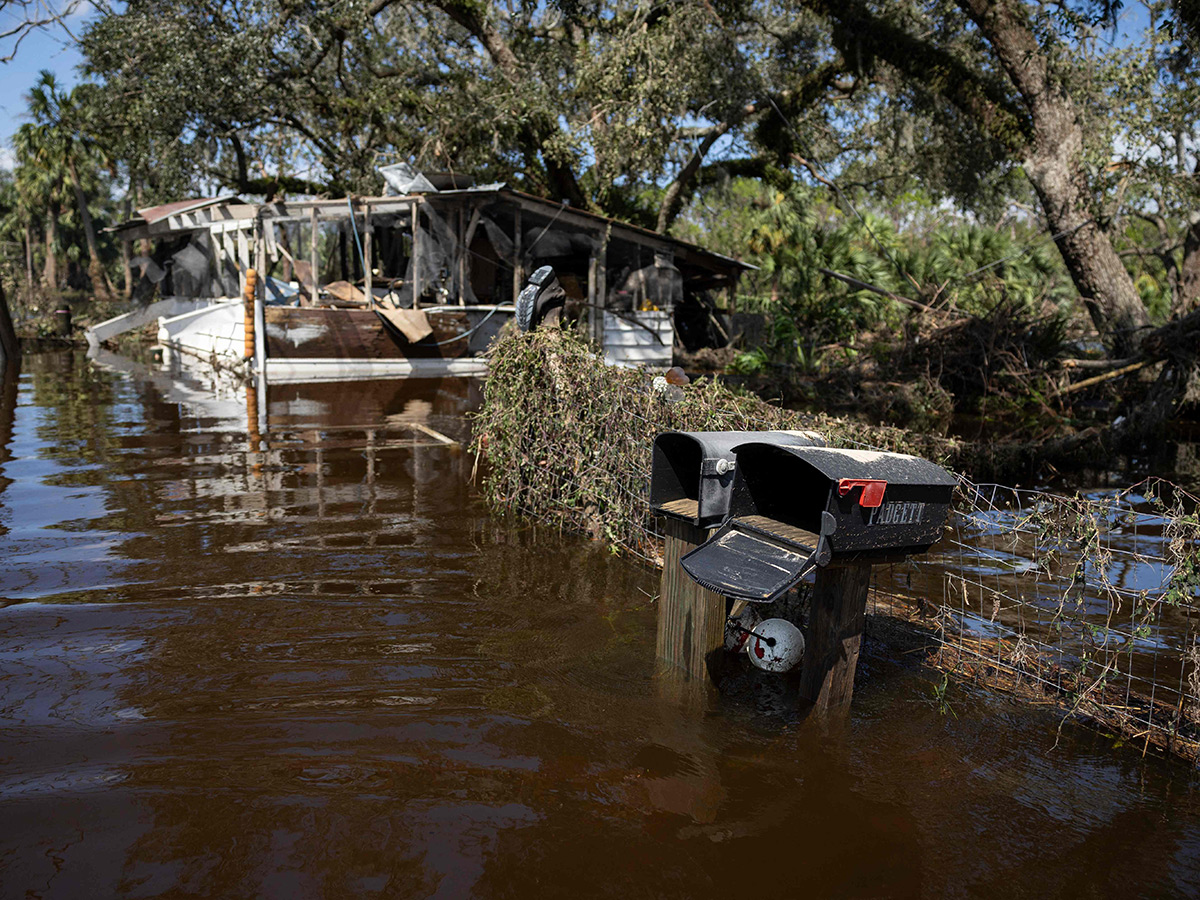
1086,602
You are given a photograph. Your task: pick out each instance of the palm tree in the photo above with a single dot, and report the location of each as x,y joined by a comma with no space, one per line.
40,181
57,142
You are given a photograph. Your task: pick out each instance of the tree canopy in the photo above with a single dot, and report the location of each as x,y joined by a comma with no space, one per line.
994,111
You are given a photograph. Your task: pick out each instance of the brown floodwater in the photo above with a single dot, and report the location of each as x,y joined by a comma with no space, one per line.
319,668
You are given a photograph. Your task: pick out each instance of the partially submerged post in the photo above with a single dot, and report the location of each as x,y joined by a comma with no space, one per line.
10,347
248,292
835,628
691,618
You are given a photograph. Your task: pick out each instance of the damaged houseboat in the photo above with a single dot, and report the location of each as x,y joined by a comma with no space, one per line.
413,283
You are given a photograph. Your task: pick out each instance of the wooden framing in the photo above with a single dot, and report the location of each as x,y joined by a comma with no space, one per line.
314,256
231,224
518,274
367,264
416,253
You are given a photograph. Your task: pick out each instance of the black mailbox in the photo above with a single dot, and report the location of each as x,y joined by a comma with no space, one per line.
692,472
794,508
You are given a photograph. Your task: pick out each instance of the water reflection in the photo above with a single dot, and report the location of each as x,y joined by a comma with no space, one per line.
290,654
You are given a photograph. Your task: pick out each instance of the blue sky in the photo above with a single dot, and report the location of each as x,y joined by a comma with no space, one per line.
45,48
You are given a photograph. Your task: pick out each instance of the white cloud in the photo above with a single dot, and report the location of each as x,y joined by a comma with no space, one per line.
8,159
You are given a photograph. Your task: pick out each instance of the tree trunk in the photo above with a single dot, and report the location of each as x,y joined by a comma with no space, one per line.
28,257
678,190
95,268
1188,297
50,271
126,252
538,130
1053,161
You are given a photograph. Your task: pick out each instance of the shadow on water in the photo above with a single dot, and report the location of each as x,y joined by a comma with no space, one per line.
303,660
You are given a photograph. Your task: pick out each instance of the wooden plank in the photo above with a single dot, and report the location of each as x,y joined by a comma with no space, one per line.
476,215
416,254
691,619
595,314
304,333
835,626
260,249
431,432
776,528
589,221
460,253
682,507
268,230
518,275
592,297
367,274
602,268
313,257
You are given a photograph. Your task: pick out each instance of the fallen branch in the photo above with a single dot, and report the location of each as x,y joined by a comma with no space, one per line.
864,286
1101,365
1107,376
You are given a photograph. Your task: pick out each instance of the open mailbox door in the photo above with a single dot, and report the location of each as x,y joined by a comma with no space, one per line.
692,472
792,509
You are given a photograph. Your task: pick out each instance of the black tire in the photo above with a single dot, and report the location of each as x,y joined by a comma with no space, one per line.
527,300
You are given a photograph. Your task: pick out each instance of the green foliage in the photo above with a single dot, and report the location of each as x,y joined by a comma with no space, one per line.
53,149
595,102
911,249
606,103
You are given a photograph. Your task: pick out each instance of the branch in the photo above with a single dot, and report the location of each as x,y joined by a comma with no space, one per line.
863,35
864,286
673,199
30,15
534,132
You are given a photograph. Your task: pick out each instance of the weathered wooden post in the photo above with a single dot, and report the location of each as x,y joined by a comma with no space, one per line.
314,254
368,274
691,619
415,212
835,628
518,265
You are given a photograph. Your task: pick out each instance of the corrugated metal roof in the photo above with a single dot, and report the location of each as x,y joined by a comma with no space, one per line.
153,214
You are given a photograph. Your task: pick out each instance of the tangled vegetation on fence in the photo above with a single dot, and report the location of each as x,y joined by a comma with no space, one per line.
1086,603
567,440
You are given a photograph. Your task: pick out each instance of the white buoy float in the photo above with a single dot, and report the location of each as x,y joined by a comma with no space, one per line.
775,645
